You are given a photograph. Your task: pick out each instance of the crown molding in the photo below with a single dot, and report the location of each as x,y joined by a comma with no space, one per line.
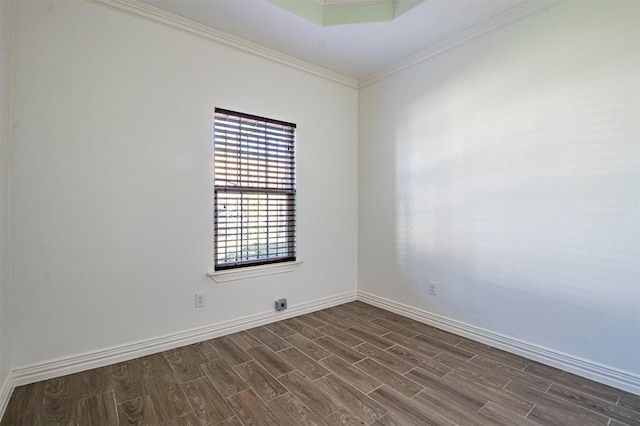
508,17
170,20
173,21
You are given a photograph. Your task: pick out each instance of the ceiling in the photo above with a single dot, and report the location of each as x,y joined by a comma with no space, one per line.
338,12
352,50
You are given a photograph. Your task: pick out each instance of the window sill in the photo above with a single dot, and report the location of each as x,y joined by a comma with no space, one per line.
253,271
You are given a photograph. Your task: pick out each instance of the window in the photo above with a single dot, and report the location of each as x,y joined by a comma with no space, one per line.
255,190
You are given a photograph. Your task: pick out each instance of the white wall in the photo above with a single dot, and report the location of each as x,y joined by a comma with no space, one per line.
507,170
6,9
112,182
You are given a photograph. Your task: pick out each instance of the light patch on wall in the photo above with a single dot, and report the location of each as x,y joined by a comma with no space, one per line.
534,187
339,12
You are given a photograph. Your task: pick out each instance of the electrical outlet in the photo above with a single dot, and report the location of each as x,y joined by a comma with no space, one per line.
201,299
281,304
432,286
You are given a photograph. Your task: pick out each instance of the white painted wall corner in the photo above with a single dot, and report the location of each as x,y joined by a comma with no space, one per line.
5,393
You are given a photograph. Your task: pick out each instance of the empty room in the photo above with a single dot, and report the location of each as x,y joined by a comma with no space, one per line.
320,212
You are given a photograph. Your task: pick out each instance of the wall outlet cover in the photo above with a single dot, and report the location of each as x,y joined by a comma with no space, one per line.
201,299
432,287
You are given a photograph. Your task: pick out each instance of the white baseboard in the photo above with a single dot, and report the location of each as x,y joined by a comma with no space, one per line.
5,392
600,373
81,362
100,358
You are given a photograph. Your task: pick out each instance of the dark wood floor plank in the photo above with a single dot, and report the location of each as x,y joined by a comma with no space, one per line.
614,422
263,384
28,418
94,382
304,364
395,327
476,373
551,410
293,412
128,382
272,341
544,371
630,401
339,335
311,321
202,352
395,318
184,364
391,419
224,377
251,410
207,403
545,413
280,330
244,340
512,360
443,336
452,412
354,400
498,396
446,394
168,398
368,326
419,360
499,416
138,411
233,421
309,394
25,405
154,365
389,377
343,417
444,347
60,400
509,372
358,378
98,410
363,311
385,358
410,411
271,362
322,317
622,414
370,338
339,349
302,328
307,346
410,343
581,384
338,312
188,419
230,351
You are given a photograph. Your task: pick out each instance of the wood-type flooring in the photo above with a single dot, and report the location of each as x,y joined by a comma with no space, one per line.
351,364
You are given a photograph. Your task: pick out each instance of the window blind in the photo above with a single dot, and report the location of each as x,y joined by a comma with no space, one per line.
255,190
